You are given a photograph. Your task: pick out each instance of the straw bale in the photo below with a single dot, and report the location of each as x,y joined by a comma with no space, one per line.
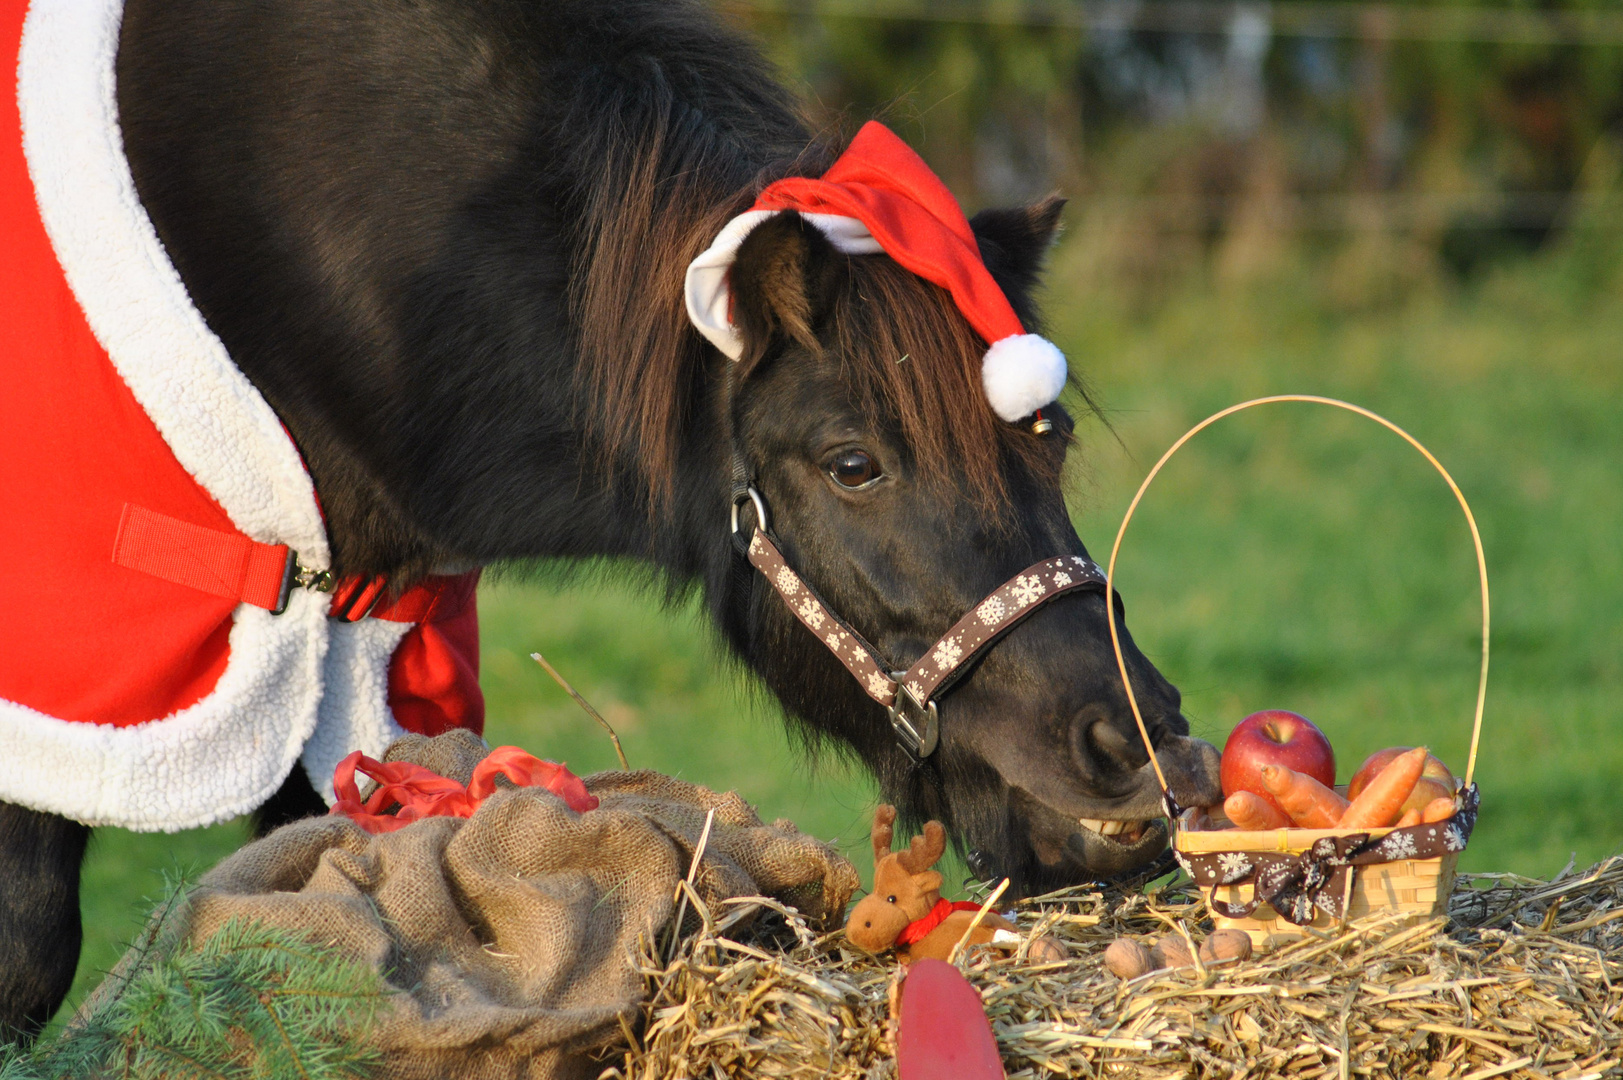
1524,979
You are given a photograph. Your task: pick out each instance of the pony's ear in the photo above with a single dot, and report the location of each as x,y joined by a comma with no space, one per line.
1013,243
783,283
928,881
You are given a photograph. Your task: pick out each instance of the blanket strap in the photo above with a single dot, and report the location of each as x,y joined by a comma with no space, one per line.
214,561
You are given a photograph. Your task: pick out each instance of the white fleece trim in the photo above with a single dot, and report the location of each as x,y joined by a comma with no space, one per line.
229,752
1022,373
355,707
212,417
707,293
219,758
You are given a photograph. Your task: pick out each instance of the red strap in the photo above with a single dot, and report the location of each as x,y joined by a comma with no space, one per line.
919,929
421,792
231,565
220,563
353,598
434,599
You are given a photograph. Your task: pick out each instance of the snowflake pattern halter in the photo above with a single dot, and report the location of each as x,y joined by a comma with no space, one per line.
911,696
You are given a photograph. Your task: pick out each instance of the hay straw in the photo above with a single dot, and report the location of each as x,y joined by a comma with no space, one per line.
685,888
587,705
986,906
1523,980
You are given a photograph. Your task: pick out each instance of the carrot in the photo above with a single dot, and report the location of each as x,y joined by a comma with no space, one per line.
1310,804
1248,810
1381,802
1438,810
1410,816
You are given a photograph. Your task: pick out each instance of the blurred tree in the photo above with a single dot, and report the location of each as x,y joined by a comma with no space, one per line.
1399,140
991,105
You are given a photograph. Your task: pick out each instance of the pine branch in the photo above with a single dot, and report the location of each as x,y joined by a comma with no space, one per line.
281,1030
250,1002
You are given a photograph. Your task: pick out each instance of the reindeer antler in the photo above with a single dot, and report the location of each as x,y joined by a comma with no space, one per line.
884,818
923,851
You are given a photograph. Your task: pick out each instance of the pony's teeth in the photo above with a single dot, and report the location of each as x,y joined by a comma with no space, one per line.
1132,830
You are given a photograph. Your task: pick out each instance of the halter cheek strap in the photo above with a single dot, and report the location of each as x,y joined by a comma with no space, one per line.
911,696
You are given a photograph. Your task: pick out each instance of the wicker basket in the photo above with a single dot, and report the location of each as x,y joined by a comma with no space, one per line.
1419,887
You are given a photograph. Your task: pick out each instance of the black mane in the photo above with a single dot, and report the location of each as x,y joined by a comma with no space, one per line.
405,277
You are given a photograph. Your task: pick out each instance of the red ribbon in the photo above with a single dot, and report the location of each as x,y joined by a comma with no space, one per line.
919,929
424,793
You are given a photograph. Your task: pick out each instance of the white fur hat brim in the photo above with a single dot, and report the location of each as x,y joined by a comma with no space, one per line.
707,293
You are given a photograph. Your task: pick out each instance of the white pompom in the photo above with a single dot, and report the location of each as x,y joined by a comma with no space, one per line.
1022,373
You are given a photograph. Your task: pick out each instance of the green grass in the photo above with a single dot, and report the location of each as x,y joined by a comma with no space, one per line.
1291,557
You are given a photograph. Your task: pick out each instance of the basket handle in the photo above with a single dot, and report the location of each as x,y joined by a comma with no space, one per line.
1476,538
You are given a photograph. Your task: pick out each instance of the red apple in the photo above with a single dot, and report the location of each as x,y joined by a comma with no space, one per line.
1435,780
1274,737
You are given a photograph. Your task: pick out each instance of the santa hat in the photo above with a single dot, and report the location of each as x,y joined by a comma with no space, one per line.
880,197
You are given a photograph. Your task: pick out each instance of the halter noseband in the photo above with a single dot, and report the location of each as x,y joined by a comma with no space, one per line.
908,696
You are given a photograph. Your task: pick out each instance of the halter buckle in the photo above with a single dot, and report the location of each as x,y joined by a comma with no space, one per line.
917,724
753,496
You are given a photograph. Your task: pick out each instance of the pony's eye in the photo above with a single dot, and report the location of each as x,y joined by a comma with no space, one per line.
890,899
853,469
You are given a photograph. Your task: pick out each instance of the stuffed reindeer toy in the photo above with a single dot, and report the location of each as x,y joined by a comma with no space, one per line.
905,911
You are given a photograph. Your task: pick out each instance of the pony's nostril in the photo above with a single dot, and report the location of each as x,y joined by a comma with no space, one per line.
1118,744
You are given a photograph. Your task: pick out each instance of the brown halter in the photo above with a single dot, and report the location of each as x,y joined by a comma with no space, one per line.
910,696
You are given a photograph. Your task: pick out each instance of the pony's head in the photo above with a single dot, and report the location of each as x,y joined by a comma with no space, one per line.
903,499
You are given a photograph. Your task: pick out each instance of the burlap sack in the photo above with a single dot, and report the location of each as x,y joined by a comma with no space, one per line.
510,936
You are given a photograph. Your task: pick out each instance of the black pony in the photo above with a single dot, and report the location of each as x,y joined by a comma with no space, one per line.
446,240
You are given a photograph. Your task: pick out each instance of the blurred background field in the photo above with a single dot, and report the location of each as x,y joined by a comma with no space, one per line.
1414,207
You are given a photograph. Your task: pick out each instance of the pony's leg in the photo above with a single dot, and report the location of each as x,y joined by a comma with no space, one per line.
295,799
40,932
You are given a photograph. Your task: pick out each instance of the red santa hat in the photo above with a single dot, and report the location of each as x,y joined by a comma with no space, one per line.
880,197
